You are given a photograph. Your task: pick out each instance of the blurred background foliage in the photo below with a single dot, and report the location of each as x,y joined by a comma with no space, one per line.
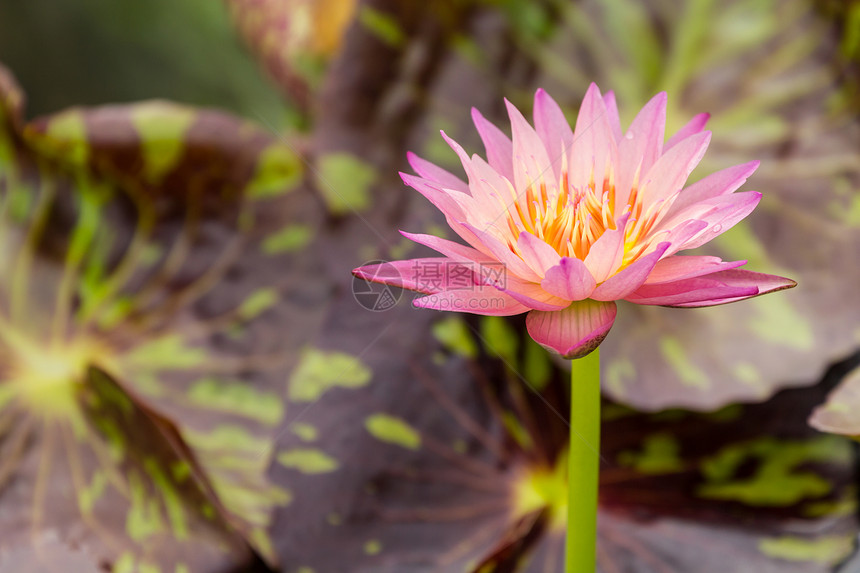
294,430
97,51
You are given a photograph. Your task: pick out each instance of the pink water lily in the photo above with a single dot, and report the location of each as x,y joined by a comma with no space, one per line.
561,223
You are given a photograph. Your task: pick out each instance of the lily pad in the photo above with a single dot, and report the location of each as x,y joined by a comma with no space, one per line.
840,414
141,389
438,461
778,86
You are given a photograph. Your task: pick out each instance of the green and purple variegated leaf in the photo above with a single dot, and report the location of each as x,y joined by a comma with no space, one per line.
475,471
132,242
790,108
396,450
103,461
840,414
163,148
406,454
50,554
787,107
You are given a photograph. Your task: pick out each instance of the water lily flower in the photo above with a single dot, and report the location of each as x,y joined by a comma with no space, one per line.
562,223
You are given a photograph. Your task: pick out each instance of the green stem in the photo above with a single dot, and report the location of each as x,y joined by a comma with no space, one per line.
583,464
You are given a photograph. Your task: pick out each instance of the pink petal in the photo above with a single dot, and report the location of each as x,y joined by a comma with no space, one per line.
530,294
480,203
504,255
490,195
434,193
593,142
426,275
569,280
717,288
642,145
605,255
453,204
553,129
536,253
469,166
684,267
531,161
694,126
720,183
575,331
724,213
625,282
612,114
450,249
669,174
766,284
495,193
480,257
435,173
689,292
679,235
480,300
500,151
465,160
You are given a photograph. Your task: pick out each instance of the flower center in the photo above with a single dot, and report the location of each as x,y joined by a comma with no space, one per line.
570,220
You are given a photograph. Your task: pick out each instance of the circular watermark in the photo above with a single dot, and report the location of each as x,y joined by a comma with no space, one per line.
370,288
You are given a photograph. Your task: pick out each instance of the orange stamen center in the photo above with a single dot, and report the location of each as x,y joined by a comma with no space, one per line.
571,220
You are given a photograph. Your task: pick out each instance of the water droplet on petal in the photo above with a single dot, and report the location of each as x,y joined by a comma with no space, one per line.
629,135
717,228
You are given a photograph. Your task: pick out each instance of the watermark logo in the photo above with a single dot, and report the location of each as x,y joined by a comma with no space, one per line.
372,294
478,305
432,278
442,275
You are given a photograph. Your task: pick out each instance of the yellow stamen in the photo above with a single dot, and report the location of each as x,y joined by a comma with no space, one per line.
571,219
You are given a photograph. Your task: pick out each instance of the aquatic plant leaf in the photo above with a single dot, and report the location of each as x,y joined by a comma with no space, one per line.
418,453
51,555
791,112
387,434
840,414
411,448
166,148
104,460
129,238
788,107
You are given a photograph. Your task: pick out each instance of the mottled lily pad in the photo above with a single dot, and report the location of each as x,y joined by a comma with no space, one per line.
840,414
786,107
140,387
777,84
210,344
439,457
438,475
